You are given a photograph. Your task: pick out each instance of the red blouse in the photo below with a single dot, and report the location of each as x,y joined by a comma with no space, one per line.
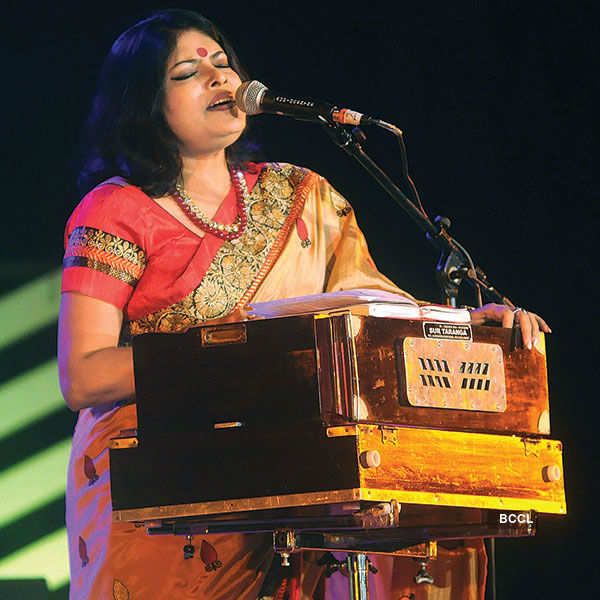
124,248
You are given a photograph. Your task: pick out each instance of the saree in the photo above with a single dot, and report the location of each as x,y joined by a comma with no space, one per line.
122,247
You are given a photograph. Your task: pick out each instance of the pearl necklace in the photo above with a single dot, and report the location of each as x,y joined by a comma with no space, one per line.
225,232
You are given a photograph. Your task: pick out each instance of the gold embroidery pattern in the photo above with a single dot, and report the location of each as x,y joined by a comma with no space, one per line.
301,193
240,265
104,252
120,591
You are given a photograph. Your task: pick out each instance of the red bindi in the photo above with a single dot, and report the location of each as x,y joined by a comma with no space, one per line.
202,52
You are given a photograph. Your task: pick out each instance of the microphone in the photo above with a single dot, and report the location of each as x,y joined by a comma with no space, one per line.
253,98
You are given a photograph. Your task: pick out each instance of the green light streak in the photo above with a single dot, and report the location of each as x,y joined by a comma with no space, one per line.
29,308
34,482
48,558
25,399
29,397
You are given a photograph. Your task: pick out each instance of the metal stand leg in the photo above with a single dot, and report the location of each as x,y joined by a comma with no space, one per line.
358,576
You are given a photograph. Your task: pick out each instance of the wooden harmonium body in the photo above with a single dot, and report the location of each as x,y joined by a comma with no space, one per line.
336,408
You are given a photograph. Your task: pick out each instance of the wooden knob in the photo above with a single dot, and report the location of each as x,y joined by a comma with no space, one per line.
551,473
370,459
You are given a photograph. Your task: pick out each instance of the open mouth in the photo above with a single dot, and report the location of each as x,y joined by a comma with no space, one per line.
222,104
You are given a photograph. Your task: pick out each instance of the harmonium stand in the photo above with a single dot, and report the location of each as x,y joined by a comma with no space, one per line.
340,431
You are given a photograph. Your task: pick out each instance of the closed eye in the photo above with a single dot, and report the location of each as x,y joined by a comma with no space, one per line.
182,77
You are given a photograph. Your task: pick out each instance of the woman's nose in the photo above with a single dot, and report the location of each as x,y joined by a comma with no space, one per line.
217,77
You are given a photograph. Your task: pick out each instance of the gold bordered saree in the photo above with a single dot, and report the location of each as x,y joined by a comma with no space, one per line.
122,247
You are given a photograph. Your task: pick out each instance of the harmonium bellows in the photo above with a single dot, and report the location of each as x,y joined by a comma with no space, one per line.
335,407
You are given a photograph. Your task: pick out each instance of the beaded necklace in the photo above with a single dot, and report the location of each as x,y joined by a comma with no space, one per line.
225,232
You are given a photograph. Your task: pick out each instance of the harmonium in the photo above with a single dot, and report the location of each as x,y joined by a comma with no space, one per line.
340,429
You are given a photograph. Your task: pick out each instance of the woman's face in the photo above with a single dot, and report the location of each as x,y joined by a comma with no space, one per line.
199,96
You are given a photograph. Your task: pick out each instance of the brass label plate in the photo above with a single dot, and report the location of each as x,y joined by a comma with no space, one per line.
220,335
447,331
454,374
123,442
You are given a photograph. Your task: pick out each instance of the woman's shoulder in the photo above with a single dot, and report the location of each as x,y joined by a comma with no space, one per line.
113,206
113,190
114,195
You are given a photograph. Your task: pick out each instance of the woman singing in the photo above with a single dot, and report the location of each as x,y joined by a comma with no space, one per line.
178,227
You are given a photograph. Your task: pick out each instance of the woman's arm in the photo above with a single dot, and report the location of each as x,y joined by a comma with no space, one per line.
92,369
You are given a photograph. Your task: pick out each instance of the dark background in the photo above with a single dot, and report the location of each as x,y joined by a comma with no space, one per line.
495,100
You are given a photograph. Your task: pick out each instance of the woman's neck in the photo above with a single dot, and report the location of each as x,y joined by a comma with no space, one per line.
207,173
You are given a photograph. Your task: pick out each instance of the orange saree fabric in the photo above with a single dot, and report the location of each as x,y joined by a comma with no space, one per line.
122,247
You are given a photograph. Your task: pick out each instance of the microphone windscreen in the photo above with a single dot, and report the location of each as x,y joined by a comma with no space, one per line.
248,96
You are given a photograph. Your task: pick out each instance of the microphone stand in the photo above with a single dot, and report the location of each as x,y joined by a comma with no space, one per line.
455,264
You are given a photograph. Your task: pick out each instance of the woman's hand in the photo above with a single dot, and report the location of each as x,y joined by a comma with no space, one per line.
530,323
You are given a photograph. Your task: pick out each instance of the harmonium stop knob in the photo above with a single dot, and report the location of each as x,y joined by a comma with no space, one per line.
370,459
551,473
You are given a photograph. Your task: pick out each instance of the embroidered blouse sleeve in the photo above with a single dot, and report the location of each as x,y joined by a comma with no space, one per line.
104,247
349,264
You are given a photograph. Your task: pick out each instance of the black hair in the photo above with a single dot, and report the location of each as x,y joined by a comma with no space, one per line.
126,132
